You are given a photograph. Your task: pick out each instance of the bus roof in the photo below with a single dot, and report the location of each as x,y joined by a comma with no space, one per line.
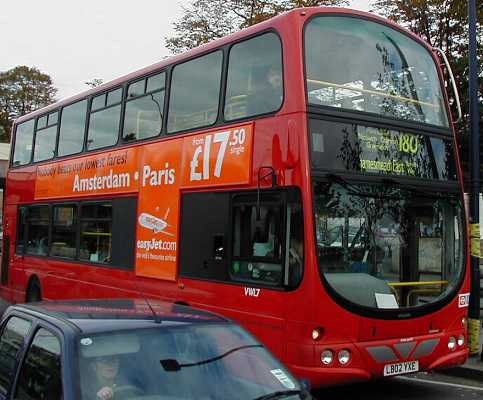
206,48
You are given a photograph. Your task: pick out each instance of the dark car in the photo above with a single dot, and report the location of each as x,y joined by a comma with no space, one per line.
133,349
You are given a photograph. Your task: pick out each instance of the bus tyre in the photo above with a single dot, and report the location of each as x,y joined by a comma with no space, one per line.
34,293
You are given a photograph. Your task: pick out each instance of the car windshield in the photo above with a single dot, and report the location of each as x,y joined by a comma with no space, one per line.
388,245
204,361
365,66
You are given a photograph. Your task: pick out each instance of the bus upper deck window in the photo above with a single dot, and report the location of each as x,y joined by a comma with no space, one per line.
254,83
144,108
104,120
72,127
23,143
195,93
45,137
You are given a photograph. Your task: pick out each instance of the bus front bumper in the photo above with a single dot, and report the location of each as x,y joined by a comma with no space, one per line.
323,376
379,359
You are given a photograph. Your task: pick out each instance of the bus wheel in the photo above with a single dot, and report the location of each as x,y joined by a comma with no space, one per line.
34,294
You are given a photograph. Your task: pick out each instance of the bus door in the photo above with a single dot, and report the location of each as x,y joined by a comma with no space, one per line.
9,215
13,265
431,256
239,254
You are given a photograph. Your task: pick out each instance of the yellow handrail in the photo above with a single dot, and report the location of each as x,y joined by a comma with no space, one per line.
378,93
419,283
96,233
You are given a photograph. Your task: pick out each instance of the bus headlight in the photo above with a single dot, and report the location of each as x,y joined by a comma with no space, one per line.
461,340
317,333
327,357
344,356
451,343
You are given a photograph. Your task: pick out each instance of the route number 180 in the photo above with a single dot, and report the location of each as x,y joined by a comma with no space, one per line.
408,144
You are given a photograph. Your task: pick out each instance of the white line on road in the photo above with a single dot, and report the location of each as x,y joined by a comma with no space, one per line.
441,383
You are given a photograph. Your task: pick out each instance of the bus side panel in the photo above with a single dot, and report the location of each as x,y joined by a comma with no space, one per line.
259,310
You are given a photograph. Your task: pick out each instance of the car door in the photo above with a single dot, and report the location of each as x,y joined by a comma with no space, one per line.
40,376
13,337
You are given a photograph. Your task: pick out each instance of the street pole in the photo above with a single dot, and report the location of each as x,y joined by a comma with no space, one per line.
474,307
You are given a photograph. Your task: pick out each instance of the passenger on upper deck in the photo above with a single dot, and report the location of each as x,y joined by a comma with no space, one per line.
268,91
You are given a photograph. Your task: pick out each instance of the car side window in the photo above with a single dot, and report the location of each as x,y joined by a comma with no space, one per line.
11,342
40,373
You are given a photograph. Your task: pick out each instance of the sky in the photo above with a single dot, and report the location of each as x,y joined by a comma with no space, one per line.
78,41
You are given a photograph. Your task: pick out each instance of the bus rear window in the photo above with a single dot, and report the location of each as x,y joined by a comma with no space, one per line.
23,143
364,66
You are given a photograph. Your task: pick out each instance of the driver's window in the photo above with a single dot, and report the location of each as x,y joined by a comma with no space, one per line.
257,241
295,244
40,373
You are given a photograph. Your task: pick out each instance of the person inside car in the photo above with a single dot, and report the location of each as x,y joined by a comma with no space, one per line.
108,381
107,376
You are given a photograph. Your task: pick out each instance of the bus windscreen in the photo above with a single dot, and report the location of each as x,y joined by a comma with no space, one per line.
365,66
389,247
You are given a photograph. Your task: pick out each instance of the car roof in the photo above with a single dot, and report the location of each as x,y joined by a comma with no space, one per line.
91,316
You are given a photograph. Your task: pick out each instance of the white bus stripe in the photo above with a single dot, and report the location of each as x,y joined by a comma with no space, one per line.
440,383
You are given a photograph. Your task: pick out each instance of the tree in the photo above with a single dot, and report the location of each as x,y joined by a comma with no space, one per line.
22,90
443,24
94,82
206,20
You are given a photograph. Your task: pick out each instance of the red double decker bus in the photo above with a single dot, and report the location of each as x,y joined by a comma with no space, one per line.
300,176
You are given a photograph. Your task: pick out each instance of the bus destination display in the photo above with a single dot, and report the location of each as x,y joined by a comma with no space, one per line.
357,148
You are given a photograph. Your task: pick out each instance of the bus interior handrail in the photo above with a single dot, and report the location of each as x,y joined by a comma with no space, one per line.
375,92
418,283
453,82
